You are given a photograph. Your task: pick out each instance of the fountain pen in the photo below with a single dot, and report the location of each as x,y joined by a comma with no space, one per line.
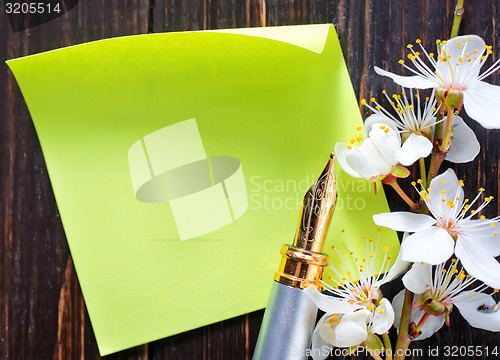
290,314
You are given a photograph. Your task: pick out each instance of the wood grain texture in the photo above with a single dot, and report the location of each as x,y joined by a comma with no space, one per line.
42,312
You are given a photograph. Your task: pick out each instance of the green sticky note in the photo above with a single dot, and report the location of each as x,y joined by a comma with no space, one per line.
179,162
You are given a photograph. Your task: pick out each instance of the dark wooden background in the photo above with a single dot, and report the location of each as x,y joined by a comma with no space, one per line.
42,313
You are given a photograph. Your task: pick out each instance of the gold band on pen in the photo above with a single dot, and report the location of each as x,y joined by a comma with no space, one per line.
301,268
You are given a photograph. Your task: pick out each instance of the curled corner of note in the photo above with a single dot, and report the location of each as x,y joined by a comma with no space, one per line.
310,37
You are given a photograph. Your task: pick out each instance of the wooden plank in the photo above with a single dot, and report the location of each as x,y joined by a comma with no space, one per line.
42,311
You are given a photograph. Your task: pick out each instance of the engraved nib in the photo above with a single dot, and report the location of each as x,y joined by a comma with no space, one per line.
317,210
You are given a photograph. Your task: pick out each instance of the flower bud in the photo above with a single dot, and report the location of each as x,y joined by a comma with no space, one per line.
454,99
405,136
427,132
430,304
451,99
440,95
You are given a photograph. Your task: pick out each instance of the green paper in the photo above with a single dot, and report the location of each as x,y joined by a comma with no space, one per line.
261,115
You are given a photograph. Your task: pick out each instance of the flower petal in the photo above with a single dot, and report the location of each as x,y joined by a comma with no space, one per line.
455,49
415,147
478,261
432,246
352,328
468,306
384,317
327,303
387,142
484,233
465,146
320,348
397,305
404,221
419,278
399,267
380,119
366,161
433,323
481,103
445,186
341,150
416,81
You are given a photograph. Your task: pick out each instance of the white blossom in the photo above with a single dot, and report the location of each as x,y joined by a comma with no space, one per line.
456,71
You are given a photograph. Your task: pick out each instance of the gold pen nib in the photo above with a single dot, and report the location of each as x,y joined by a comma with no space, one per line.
302,264
317,210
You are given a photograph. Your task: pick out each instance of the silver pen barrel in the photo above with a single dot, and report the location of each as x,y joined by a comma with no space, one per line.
290,315
287,326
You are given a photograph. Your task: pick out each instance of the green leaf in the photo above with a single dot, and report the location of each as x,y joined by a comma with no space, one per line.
374,343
